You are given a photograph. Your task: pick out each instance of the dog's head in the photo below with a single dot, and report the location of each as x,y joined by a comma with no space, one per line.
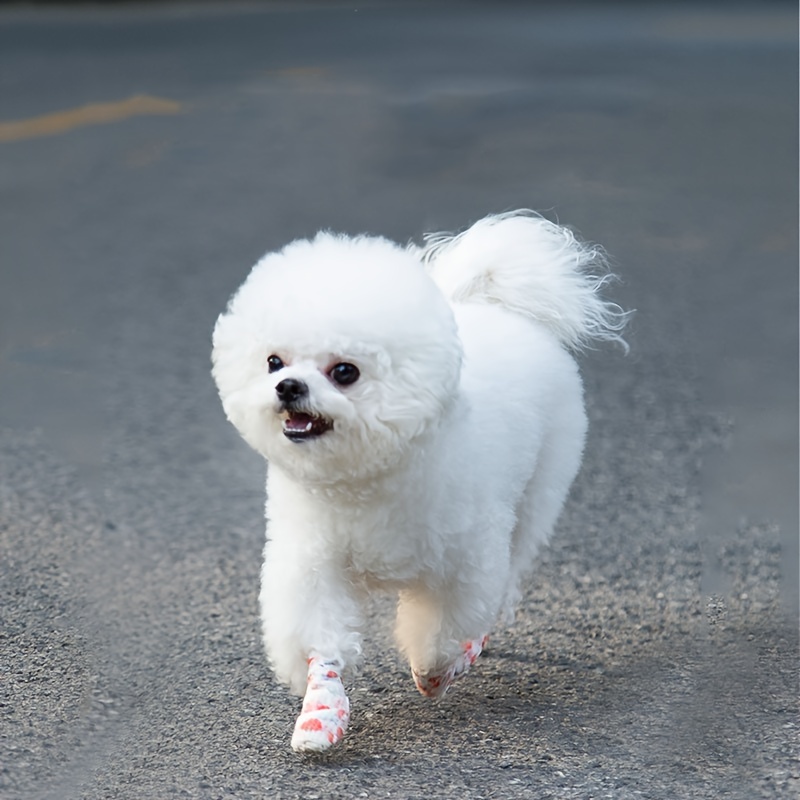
335,355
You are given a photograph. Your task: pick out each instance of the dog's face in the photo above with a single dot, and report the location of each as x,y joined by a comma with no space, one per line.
335,355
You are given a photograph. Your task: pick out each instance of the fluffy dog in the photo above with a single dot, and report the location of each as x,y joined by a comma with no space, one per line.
422,419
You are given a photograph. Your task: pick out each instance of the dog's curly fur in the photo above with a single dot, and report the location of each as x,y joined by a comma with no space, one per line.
436,473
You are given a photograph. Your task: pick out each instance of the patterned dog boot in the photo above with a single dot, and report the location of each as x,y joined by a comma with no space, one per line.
326,709
436,684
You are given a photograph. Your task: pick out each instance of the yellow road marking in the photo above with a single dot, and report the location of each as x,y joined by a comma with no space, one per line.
92,114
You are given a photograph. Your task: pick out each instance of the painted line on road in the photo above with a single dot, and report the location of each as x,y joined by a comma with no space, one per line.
91,114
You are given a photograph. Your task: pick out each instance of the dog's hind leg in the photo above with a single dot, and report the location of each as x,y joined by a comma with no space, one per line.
544,496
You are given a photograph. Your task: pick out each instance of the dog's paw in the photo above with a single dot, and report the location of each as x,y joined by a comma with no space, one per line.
319,730
326,709
435,684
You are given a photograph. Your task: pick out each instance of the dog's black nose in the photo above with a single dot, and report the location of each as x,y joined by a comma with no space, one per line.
289,389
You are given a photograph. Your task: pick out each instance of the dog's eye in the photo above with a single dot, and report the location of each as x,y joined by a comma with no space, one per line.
274,363
344,373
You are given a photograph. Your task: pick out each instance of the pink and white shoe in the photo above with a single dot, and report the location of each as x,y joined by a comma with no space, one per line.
436,684
326,709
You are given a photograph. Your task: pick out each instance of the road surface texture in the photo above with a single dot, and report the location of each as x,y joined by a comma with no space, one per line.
149,154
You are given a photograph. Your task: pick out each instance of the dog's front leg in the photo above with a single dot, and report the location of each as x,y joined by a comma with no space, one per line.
311,622
431,632
326,709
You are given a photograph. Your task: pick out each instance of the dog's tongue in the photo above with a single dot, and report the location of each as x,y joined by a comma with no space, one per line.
298,422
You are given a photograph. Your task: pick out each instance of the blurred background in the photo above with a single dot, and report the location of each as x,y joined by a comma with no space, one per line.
150,153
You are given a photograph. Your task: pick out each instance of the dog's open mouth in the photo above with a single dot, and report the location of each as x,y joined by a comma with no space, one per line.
299,426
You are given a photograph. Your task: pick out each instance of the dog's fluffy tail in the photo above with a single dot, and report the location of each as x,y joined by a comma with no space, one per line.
530,266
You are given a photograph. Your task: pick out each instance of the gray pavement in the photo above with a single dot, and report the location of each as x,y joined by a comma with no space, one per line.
656,653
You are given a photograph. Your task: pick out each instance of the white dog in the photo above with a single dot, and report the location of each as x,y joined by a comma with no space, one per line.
423,420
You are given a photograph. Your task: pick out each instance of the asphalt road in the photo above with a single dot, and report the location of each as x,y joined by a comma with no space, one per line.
656,653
